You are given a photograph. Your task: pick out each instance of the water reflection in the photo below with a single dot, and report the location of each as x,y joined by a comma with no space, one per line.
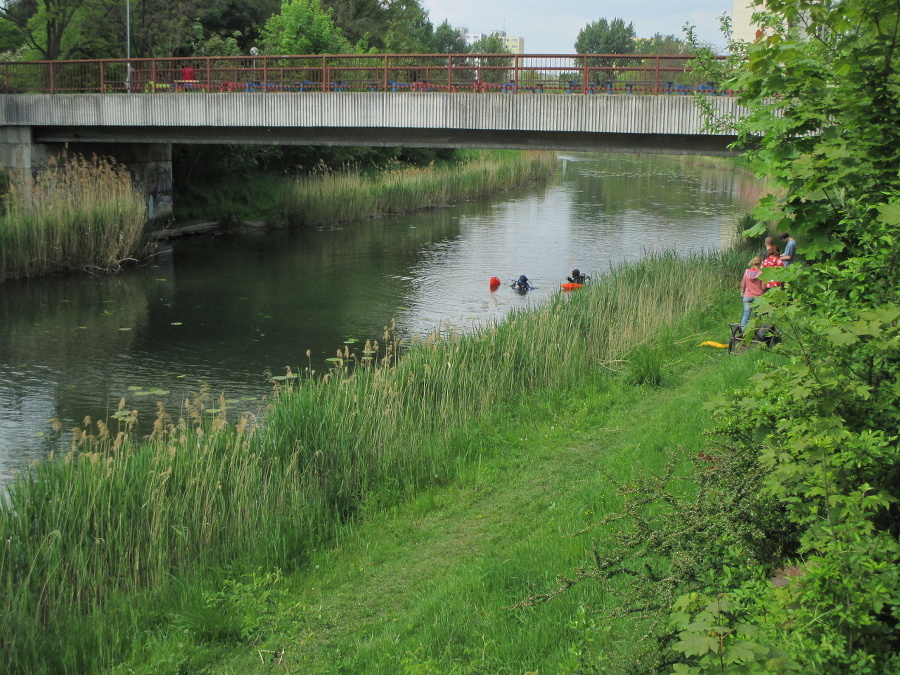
226,310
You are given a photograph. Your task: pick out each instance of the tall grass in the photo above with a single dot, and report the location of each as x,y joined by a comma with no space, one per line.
79,215
338,197
119,517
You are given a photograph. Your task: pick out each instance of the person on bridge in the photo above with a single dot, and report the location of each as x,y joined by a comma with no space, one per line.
187,73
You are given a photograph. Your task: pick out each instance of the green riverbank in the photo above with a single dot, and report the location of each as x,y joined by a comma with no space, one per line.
431,585
167,549
89,215
330,196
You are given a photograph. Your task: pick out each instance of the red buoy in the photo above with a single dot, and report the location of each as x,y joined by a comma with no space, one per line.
494,282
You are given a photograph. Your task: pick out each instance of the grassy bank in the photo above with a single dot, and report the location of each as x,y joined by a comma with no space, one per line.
338,197
86,215
331,196
130,538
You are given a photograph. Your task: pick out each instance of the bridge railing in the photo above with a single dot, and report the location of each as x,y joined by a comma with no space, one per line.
481,73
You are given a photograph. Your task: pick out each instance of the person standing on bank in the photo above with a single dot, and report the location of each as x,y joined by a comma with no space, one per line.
751,288
773,259
790,248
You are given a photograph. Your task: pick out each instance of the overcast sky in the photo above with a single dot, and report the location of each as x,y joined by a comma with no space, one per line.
551,26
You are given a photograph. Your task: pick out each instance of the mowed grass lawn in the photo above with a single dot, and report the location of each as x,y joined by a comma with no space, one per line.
437,583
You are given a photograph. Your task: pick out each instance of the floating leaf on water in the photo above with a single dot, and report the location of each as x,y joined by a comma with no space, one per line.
134,387
158,279
334,359
182,376
232,400
351,341
279,377
159,392
212,411
126,328
176,323
248,398
143,393
82,327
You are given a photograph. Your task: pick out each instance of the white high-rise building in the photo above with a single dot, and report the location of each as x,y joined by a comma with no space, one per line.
515,45
742,26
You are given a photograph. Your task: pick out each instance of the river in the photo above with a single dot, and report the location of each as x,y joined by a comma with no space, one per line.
227,310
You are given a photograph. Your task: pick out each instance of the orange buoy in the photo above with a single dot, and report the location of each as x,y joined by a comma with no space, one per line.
494,282
571,287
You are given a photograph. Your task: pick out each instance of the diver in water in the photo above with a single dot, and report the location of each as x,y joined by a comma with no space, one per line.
577,277
522,284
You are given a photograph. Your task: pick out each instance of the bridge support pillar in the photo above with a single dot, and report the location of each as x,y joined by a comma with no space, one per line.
16,158
150,164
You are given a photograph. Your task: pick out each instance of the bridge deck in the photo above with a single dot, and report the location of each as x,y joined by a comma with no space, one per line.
664,123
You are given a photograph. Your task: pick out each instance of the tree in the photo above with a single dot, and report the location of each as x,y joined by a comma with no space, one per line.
490,44
663,45
359,20
303,27
823,124
241,20
494,69
448,40
602,37
42,24
410,30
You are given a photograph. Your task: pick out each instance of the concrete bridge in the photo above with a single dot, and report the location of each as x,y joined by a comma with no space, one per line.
672,124
137,124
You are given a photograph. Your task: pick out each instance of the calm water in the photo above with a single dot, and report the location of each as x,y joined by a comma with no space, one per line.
225,310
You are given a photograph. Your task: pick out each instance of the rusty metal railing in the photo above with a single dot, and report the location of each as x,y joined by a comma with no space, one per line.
587,74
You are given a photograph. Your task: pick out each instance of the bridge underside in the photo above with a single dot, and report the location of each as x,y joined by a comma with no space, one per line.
576,141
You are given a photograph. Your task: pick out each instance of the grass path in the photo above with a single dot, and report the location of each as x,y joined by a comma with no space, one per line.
428,586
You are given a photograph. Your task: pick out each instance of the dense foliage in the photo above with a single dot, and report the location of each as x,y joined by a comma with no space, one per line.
606,37
821,84
800,574
303,27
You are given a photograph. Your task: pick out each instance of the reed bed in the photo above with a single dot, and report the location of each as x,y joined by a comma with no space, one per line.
79,215
345,196
120,517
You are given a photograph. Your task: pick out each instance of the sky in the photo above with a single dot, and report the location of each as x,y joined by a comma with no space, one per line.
551,26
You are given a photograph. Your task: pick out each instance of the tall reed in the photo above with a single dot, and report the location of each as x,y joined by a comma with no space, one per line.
81,214
345,196
122,516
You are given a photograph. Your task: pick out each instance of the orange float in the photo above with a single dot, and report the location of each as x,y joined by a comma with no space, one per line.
494,282
571,287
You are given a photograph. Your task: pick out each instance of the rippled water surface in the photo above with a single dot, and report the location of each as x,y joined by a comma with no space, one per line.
226,310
